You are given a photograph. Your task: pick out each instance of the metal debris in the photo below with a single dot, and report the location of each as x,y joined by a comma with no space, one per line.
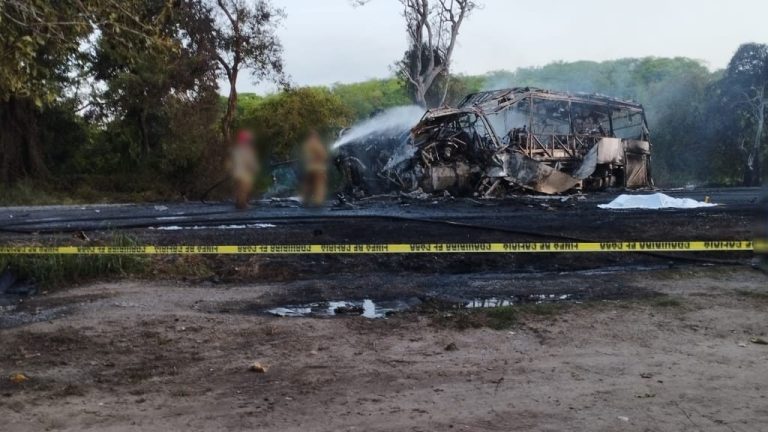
502,141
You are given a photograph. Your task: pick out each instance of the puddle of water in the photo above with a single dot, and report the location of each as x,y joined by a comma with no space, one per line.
10,317
619,269
366,308
373,309
291,311
488,303
216,227
494,302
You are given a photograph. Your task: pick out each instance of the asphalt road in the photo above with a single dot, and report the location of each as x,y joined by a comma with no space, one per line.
390,219
399,220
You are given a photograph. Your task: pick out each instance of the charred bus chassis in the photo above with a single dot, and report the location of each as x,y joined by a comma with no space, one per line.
500,141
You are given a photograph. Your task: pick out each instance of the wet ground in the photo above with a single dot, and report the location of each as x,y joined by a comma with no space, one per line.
673,349
396,218
480,342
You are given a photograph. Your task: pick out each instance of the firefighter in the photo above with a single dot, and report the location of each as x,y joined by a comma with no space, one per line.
315,161
243,167
353,180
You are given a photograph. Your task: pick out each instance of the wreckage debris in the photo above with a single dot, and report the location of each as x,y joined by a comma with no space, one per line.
258,367
18,378
13,288
497,142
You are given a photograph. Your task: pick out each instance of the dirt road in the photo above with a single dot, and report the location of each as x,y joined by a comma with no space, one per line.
143,356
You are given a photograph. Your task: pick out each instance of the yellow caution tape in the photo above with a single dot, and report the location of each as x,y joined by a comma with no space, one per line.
428,248
761,246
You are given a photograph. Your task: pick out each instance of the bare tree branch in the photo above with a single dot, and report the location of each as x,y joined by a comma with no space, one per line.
432,27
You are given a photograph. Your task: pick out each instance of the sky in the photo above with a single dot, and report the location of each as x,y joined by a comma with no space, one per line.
332,41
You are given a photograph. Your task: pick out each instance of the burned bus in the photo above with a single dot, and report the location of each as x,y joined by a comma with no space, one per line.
502,141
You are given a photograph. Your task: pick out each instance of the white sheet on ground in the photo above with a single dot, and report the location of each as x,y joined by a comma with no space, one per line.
653,202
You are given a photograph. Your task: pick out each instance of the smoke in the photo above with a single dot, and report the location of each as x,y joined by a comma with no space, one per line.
615,77
389,122
679,103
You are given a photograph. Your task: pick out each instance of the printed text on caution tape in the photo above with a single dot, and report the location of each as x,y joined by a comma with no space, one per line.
435,248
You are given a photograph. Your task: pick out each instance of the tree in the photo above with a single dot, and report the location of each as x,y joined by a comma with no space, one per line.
745,91
676,110
432,27
36,51
42,49
432,30
282,120
436,94
144,77
368,97
245,38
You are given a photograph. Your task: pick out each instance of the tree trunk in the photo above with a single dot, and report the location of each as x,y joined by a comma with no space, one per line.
756,174
229,115
20,153
752,170
445,90
420,96
144,133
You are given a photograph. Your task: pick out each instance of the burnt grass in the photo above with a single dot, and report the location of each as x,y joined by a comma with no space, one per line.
519,315
140,354
498,318
388,220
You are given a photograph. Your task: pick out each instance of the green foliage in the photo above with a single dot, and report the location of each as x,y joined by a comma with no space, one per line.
368,97
63,136
499,318
631,78
54,270
676,93
281,121
143,57
246,102
502,318
739,106
152,123
159,91
151,120
666,301
676,107
459,86
28,192
39,40
244,37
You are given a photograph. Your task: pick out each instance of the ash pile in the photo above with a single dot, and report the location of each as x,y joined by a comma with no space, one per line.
503,142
